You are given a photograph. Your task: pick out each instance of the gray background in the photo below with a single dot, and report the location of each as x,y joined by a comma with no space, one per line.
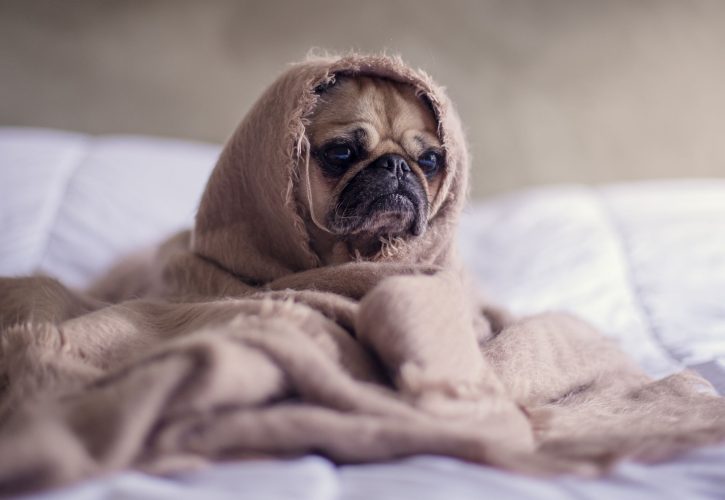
550,90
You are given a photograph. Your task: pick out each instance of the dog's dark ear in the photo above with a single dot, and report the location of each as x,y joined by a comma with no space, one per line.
324,86
428,104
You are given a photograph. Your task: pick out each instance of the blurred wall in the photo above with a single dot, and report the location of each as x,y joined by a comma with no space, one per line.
550,90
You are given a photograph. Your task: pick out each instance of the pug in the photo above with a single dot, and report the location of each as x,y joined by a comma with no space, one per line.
375,166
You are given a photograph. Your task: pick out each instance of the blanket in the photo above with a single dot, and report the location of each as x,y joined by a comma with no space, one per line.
232,341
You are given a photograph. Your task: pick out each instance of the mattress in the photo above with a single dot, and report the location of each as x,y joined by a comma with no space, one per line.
644,262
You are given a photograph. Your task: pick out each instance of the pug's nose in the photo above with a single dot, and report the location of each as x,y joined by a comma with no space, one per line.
395,164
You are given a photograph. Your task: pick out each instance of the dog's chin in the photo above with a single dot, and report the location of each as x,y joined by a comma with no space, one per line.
387,216
393,214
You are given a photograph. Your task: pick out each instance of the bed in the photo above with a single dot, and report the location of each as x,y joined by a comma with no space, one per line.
644,262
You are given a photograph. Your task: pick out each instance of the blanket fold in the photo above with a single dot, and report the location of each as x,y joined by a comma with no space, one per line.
234,342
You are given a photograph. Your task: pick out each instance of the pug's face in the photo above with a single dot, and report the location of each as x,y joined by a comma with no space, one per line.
376,164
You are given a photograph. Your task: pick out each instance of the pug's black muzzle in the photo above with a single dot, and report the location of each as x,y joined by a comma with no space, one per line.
385,198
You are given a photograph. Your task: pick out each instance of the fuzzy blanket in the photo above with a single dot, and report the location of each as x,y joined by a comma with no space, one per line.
232,341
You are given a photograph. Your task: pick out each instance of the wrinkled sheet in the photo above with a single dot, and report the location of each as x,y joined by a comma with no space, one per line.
644,262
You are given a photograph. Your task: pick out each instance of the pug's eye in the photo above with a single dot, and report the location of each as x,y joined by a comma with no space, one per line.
338,155
429,162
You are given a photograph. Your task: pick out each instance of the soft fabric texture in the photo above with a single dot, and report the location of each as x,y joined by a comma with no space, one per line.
243,346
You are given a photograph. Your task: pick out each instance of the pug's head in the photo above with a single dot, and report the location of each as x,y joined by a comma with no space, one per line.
376,164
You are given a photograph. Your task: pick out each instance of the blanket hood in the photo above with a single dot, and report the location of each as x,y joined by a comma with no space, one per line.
251,220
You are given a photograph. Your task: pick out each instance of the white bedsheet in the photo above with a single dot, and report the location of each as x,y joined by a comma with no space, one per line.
645,262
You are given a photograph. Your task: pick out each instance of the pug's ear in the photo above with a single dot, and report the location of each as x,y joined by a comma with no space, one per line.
325,86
